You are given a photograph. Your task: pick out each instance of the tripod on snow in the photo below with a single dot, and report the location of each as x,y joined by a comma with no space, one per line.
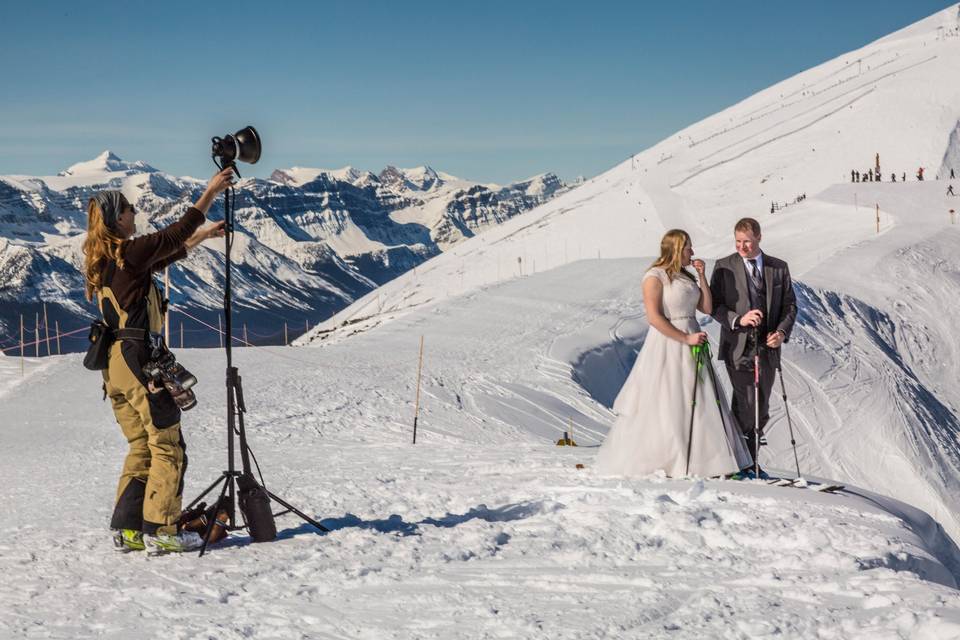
254,497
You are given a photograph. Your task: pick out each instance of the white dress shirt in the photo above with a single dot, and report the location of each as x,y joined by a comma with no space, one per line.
759,259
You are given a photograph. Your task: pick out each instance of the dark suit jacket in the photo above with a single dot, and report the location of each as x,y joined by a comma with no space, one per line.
731,299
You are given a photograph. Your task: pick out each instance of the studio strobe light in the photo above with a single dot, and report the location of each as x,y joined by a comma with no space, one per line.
244,146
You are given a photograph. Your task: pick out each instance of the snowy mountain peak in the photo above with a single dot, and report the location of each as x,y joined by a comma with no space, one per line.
392,176
106,162
422,178
540,185
299,176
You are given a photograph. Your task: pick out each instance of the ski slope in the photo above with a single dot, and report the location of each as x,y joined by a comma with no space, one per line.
874,355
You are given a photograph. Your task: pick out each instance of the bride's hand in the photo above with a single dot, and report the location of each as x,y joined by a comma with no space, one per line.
694,339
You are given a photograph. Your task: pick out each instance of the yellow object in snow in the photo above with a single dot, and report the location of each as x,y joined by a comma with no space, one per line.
566,441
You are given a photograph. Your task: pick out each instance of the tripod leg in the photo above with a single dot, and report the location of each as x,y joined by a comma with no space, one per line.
292,508
216,509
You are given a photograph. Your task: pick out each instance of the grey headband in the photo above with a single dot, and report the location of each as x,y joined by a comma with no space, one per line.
112,204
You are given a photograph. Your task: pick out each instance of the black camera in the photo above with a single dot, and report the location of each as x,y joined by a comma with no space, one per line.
165,366
244,146
164,370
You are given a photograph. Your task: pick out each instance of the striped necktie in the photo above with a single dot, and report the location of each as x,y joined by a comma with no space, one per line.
755,274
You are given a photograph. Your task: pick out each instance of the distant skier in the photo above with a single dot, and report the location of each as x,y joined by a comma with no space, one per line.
950,190
858,176
893,177
951,173
920,174
904,176
870,176
853,177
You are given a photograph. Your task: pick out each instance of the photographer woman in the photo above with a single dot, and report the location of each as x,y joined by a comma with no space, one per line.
119,273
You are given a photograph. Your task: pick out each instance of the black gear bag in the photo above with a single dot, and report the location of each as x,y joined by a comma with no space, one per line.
255,506
98,353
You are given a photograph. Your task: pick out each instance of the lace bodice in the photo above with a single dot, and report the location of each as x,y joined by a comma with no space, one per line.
680,296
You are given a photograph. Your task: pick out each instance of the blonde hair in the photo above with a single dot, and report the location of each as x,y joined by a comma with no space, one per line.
671,253
100,246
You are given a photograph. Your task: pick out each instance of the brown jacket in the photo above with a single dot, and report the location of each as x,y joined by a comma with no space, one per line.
128,298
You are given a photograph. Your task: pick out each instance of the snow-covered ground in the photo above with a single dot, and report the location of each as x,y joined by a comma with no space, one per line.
484,528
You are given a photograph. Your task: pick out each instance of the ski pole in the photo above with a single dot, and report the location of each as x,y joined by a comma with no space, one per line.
756,402
716,387
786,407
697,353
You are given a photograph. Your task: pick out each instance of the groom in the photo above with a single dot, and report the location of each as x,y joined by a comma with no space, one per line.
752,298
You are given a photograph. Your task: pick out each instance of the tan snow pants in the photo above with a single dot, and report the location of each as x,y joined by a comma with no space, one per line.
150,491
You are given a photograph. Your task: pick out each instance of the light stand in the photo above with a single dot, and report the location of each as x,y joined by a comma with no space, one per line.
254,497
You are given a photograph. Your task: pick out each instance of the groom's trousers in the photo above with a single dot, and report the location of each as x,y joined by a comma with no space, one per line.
741,377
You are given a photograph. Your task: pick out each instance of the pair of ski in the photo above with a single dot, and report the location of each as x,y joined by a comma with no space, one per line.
802,483
796,483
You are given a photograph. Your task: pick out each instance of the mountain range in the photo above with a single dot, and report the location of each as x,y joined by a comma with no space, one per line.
309,241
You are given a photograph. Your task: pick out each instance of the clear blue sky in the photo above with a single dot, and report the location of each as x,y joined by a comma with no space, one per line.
491,91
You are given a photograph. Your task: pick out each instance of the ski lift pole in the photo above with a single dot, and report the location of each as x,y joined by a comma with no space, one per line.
416,409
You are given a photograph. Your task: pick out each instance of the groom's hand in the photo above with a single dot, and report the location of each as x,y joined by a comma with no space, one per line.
751,318
774,340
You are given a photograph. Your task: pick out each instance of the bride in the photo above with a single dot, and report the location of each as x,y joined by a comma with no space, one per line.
652,431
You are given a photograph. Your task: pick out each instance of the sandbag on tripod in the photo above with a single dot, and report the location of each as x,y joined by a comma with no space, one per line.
255,507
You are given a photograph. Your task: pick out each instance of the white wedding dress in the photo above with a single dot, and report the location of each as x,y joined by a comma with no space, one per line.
652,430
